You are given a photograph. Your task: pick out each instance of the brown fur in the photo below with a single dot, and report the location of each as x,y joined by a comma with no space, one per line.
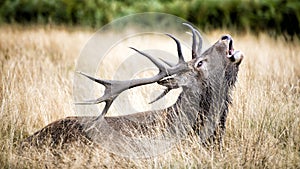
205,98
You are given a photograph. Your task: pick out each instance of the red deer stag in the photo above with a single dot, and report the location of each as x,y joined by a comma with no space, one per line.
206,82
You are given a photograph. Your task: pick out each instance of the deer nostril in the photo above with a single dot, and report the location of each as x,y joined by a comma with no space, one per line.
225,37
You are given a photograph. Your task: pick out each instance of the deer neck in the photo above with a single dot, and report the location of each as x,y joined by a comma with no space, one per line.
207,106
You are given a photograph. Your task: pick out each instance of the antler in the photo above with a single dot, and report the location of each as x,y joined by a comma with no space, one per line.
194,45
114,87
194,55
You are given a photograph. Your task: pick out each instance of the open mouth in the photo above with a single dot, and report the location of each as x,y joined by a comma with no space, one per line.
229,40
230,48
234,56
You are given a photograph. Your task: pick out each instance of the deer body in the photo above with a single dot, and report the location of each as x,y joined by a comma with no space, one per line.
206,82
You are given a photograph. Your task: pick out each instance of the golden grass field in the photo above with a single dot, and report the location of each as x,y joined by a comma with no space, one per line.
37,68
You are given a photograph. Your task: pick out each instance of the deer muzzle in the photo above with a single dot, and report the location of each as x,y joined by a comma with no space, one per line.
234,56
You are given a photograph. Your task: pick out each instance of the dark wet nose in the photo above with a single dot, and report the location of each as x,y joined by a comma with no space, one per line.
226,37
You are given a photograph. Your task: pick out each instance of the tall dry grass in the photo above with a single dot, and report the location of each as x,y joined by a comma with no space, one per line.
263,127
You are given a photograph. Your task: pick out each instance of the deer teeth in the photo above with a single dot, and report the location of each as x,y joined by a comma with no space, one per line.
230,51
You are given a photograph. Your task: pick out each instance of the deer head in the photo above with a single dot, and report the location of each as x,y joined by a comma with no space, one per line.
206,81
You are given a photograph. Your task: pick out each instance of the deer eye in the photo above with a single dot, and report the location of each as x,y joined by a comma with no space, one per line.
200,63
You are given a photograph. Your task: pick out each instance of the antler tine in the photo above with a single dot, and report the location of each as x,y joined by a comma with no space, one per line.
194,54
108,103
165,92
104,111
88,102
200,42
167,62
152,59
103,82
106,97
180,56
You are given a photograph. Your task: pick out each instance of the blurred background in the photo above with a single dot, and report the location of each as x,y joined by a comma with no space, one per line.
275,17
